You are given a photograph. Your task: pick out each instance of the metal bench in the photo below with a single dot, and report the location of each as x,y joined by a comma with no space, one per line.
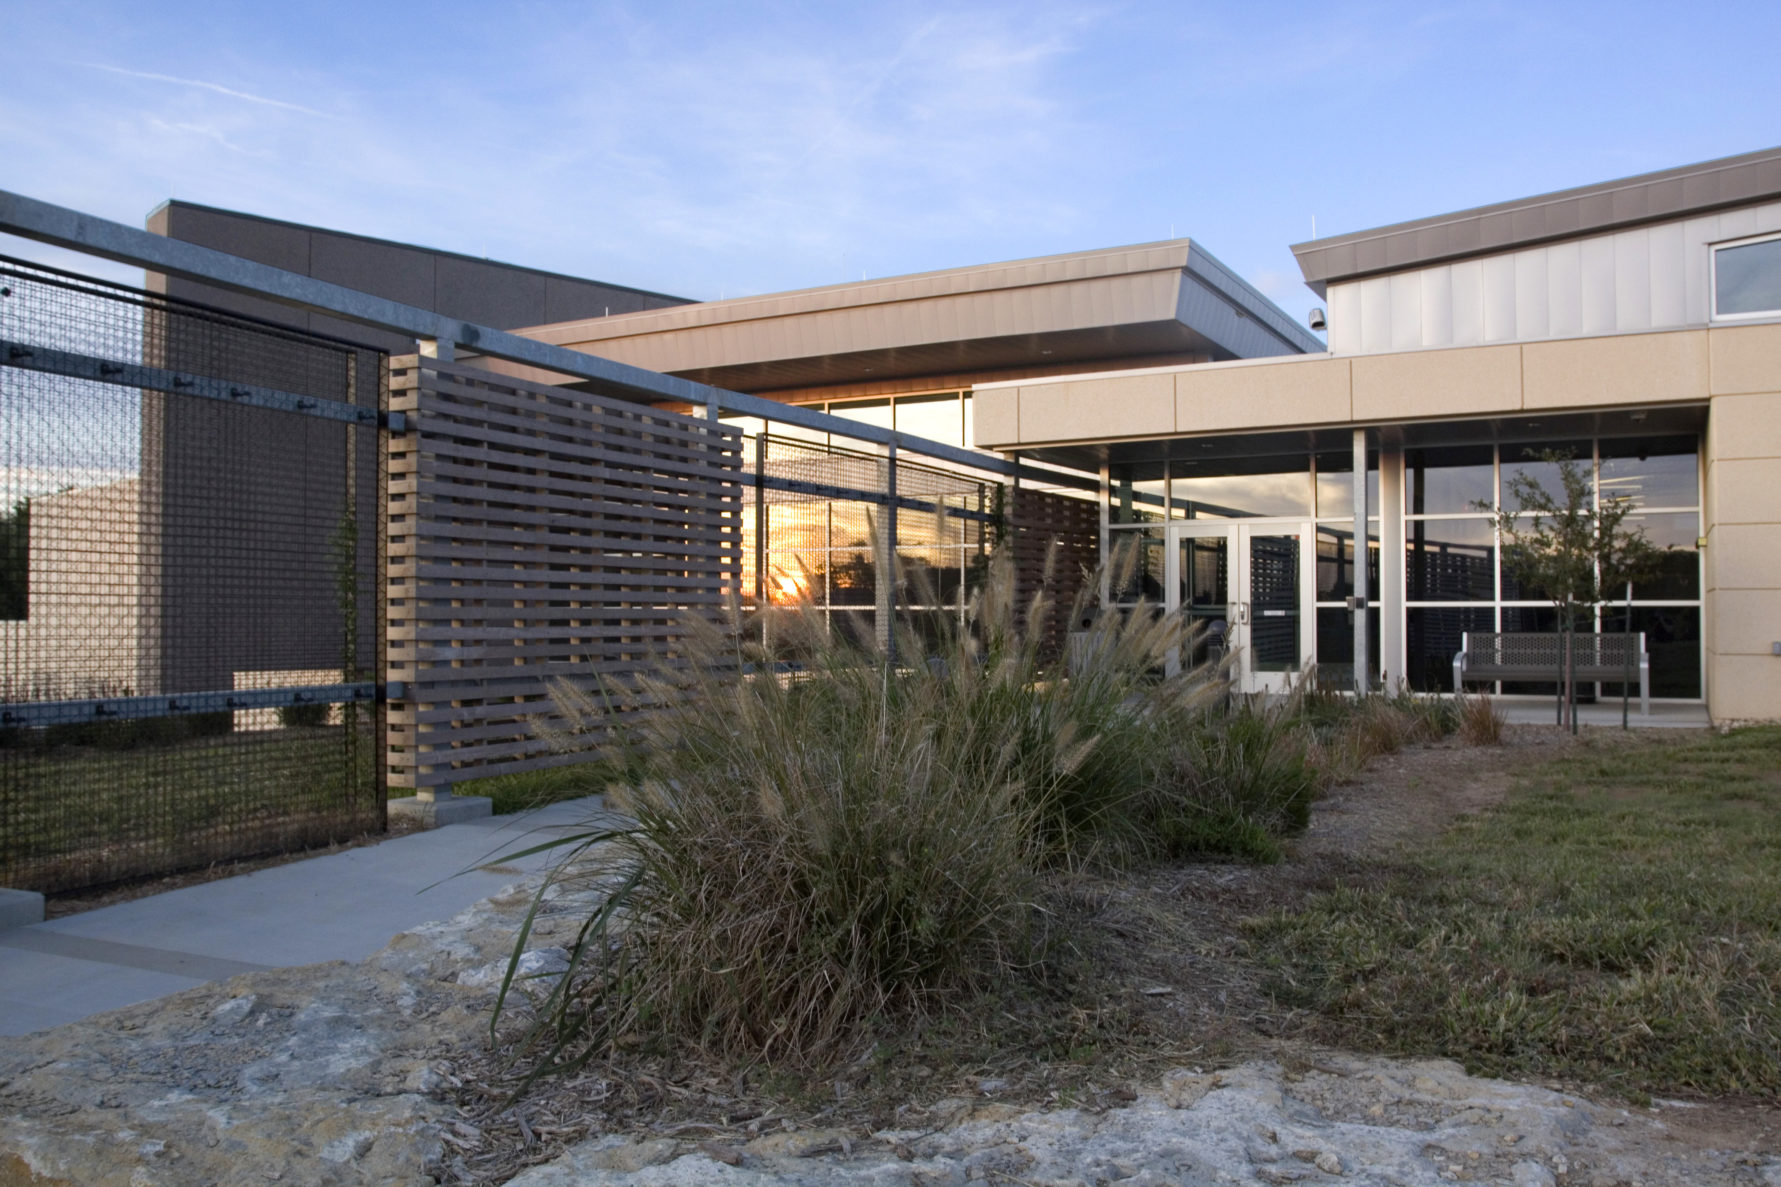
1530,655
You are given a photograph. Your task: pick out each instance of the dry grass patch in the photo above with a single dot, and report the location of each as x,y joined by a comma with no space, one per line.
1617,921
1480,722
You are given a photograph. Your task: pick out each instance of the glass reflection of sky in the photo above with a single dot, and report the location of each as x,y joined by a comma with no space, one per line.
1246,495
1667,475
1747,279
1679,573
870,412
1446,481
1335,484
1525,460
938,418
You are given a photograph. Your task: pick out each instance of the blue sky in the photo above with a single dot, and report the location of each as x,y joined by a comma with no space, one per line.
711,150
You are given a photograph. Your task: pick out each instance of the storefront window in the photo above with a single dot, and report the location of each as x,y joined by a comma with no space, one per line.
1529,461
1137,566
938,418
1335,647
1335,484
871,412
1433,636
1335,563
1448,480
1138,492
1653,472
1453,579
1210,490
1450,560
1679,575
1673,640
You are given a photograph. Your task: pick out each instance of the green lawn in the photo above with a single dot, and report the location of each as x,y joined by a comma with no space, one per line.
1617,921
86,814
534,789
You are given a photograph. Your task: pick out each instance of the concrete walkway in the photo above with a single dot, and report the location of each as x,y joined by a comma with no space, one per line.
342,906
1543,710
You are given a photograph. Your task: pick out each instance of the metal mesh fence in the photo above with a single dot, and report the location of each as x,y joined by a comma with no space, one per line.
815,528
187,626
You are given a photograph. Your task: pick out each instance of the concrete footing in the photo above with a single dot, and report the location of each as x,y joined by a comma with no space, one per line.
442,809
20,908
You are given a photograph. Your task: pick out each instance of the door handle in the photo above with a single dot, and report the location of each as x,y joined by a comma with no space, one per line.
1242,613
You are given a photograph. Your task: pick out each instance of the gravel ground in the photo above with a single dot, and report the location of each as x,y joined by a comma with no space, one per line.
379,1072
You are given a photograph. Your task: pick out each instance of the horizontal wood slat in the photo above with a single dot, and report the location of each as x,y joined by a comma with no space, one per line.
428,544
548,404
612,501
536,533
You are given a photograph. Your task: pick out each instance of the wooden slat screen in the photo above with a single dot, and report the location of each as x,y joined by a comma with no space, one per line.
535,532
1036,520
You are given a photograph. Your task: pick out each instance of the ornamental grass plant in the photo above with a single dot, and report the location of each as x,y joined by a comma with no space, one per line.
1239,783
814,847
821,840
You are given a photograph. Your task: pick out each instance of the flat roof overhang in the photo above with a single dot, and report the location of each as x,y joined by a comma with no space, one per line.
1148,301
1565,214
1233,451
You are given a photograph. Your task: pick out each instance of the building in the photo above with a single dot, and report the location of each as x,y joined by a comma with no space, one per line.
902,352
213,476
1635,323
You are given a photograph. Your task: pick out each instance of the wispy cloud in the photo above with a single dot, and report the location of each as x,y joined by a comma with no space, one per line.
209,133
694,148
207,86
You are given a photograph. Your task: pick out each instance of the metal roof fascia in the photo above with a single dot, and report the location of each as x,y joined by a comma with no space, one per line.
975,281
1213,272
171,204
1661,196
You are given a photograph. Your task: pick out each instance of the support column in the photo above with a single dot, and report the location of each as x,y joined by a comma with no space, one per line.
760,533
1361,593
886,585
1106,535
1390,597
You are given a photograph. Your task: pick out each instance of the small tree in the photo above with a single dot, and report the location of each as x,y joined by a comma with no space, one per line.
15,561
1573,548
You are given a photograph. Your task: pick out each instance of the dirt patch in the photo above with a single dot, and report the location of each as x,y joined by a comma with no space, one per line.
1750,1126
1418,793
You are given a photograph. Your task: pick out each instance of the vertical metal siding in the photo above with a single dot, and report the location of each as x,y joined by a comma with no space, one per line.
1564,289
1648,278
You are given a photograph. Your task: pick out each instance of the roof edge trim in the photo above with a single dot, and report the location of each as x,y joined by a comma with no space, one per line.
1575,213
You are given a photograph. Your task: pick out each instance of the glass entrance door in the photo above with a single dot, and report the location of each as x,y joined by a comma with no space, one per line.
1204,593
1249,588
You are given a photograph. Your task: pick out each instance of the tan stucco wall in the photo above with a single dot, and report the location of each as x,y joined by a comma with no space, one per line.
1428,383
1743,523
1736,371
1627,369
80,636
1221,398
1317,390
1138,406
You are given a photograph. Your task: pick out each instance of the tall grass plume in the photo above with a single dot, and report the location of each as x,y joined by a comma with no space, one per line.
817,845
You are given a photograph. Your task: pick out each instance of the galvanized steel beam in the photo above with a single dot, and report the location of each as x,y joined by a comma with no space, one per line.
80,366
45,713
44,222
824,490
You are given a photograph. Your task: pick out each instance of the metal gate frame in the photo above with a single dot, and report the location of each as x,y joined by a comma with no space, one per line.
177,360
